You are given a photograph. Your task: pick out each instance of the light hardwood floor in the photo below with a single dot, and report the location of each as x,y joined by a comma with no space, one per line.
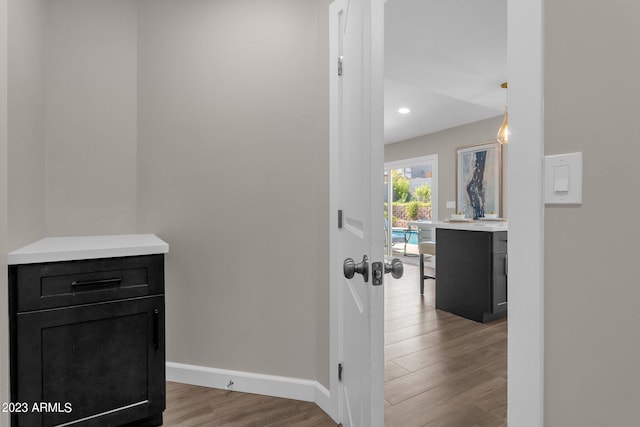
440,370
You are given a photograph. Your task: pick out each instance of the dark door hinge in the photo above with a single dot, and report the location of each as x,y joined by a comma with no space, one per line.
340,218
339,65
339,371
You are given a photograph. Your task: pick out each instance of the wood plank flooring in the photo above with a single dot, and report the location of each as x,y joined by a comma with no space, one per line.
191,406
440,370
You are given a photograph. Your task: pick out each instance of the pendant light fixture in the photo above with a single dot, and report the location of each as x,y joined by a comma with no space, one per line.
503,132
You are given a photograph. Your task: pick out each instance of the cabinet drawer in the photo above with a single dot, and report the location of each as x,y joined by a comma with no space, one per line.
60,284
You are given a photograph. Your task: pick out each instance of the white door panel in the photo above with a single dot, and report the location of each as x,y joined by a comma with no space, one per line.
356,157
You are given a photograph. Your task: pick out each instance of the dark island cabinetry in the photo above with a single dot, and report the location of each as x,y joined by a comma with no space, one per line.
472,273
87,342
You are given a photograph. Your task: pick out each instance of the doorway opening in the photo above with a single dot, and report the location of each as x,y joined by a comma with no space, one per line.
439,368
526,336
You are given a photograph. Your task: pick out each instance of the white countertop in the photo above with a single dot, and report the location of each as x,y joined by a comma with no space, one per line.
52,249
477,225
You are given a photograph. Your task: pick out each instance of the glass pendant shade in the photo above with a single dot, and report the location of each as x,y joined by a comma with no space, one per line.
503,132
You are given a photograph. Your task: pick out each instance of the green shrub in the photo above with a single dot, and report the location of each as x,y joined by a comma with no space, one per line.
423,193
412,210
400,188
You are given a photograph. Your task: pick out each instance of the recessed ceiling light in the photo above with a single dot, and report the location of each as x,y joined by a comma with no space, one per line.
404,110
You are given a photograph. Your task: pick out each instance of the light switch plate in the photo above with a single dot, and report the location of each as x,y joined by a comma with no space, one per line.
451,204
563,179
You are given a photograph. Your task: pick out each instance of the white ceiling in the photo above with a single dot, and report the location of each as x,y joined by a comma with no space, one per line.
445,60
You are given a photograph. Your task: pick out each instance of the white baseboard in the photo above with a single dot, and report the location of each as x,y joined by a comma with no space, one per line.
248,382
323,400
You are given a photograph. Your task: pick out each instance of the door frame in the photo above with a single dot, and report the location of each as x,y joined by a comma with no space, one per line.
525,53
526,222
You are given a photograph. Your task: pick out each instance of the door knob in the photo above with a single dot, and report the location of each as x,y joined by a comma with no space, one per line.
394,267
350,268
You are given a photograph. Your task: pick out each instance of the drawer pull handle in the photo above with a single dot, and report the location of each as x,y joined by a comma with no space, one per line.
97,282
506,264
156,328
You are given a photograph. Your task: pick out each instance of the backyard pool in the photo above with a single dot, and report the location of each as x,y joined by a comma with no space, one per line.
412,236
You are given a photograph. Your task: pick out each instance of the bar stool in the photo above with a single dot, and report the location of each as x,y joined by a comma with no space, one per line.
425,248
408,232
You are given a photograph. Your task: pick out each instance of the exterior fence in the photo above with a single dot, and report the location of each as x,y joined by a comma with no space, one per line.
400,217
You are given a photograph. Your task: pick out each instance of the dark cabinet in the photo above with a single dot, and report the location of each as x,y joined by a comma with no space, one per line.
472,273
87,342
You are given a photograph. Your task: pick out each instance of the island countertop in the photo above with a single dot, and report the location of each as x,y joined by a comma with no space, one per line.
53,249
476,225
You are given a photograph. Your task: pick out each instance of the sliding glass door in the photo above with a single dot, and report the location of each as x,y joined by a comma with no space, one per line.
411,194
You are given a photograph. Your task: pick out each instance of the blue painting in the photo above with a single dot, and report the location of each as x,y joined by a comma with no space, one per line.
479,180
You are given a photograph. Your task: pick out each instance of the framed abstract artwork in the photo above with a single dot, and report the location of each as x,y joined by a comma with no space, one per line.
479,180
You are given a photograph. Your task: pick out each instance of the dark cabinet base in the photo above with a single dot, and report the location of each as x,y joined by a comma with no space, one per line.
472,280
89,364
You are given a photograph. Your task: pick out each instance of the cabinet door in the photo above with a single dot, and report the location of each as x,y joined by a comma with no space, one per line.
499,282
100,364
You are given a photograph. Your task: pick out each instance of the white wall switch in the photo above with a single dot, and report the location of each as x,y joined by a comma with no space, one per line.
563,179
451,205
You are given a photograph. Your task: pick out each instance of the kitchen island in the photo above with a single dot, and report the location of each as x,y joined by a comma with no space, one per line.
471,267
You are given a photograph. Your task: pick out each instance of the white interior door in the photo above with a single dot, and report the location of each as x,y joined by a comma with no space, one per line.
356,192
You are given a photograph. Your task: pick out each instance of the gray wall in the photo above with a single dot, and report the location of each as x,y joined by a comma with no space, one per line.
226,86
72,126
139,122
4,175
444,144
91,117
592,105
26,125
